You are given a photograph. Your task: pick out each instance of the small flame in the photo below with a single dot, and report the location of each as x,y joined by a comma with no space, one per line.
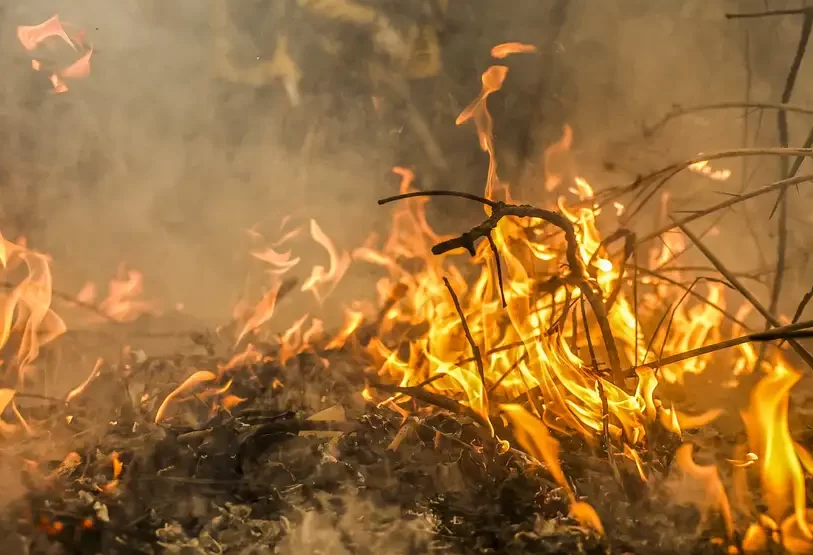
321,278
506,49
535,438
31,36
709,477
201,376
704,169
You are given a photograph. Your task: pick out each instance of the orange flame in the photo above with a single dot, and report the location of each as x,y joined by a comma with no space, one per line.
201,376
506,49
31,36
534,437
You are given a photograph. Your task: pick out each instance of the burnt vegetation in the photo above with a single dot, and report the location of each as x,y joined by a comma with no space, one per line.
320,446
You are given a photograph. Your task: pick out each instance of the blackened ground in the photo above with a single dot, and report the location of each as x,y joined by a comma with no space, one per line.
254,481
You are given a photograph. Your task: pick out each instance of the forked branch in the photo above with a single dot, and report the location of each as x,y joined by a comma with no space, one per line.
578,272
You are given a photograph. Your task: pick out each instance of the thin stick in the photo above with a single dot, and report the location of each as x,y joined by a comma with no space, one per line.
723,205
696,295
635,297
679,111
436,400
769,13
655,334
782,332
733,153
474,348
672,316
499,268
605,406
444,193
505,374
801,308
782,201
732,279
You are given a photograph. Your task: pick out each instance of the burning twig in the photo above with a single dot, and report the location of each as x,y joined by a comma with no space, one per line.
578,275
436,400
732,279
782,332
801,308
629,247
520,360
474,348
674,308
605,409
499,268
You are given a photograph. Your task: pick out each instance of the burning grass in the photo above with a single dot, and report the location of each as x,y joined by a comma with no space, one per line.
532,401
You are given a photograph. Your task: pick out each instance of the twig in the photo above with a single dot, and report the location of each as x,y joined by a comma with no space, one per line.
577,268
605,410
499,268
801,351
783,332
782,124
651,341
801,308
474,348
668,172
469,196
723,205
436,400
769,13
505,374
696,295
679,111
578,275
672,315
629,247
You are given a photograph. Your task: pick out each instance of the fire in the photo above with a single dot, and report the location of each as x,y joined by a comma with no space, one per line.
123,302
510,335
543,338
31,37
26,307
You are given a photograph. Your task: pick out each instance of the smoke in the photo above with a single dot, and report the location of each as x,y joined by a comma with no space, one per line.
157,161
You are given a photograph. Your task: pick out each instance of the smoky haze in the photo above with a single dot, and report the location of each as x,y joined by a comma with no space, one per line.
154,161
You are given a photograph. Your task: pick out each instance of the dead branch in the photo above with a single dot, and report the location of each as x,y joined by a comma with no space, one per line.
769,13
474,348
783,332
679,111
578,275
723,205
801,351
498,265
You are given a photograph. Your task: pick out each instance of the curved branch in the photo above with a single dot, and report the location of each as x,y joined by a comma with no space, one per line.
578,273
439,193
